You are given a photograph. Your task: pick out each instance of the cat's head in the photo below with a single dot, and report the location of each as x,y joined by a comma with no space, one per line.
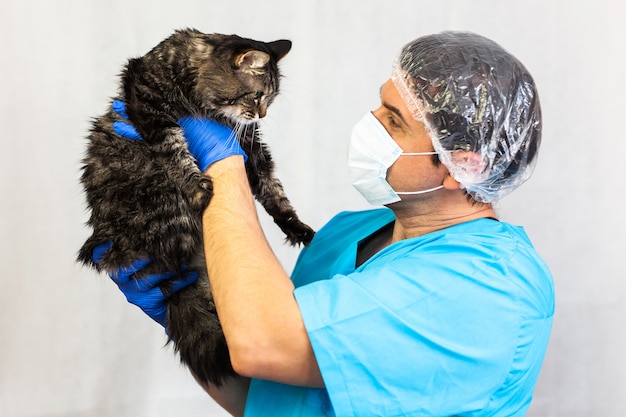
237,78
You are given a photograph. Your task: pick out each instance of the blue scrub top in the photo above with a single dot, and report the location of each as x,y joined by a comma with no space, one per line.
452,323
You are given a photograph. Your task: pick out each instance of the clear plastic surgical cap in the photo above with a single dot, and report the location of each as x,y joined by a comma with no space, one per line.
480,107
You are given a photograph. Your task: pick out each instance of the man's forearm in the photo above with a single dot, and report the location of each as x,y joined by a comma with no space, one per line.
253,294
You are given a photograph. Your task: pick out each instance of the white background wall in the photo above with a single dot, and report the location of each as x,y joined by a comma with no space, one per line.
70,345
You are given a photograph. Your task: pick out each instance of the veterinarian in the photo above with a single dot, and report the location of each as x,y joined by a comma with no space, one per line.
429,306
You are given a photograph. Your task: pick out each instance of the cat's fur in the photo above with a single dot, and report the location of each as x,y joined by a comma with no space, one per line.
146,196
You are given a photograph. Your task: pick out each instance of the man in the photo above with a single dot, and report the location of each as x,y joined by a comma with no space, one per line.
430,306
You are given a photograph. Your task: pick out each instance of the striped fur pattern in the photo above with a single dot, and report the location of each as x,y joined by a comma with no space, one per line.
146,196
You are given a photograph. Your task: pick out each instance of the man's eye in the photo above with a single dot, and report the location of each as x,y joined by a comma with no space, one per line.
393,122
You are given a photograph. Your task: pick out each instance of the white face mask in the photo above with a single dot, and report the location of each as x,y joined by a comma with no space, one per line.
372,151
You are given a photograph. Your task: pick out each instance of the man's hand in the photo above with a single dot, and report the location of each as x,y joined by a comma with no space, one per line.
145,292
207,140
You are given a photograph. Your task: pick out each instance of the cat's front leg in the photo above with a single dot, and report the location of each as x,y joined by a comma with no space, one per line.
182,167
199,192
295,230
166,141
268,190
277,205
196,187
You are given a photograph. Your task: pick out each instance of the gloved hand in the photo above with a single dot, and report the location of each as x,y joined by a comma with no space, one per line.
144,292
207,140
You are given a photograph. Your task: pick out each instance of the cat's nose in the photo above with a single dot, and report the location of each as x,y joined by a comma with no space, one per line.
262,111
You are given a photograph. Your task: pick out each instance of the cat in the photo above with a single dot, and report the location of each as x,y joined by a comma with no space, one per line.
146,196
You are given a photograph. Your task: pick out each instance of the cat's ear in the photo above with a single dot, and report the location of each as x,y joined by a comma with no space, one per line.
279,48
252,61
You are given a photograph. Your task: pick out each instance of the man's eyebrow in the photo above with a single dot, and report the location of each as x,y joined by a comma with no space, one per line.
392,109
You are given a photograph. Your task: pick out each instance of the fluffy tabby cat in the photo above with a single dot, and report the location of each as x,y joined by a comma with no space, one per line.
146,196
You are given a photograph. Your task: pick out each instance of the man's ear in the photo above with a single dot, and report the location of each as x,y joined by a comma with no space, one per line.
466,164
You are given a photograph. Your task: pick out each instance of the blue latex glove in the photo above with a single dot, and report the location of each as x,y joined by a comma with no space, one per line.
145,292
207,140
122,128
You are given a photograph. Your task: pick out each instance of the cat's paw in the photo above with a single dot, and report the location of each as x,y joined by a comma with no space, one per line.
200,194
298,233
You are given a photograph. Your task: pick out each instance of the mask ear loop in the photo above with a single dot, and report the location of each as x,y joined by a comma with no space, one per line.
418,153
420,192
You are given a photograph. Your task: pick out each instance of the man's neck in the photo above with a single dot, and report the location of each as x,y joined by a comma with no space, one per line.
411,221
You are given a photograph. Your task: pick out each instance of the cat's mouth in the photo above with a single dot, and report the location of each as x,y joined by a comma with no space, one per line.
239,116
250,117
253,114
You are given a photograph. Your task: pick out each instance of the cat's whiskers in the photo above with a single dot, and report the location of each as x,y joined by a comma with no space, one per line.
239,132
240,128
236,135
254,127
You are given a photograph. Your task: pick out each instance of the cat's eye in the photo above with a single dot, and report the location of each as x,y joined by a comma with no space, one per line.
258,95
